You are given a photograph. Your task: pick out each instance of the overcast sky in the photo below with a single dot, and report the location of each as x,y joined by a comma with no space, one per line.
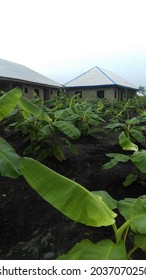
61,39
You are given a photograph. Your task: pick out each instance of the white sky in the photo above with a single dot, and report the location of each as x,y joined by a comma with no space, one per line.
61,39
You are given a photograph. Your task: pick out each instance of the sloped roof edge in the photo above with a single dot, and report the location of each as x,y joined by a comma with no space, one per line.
99,77
19,72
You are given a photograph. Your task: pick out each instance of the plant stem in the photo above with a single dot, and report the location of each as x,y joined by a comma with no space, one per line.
132,250
115,231
125,234
119,232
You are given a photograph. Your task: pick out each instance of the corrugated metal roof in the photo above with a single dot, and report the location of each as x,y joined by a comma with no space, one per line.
12,70
99,77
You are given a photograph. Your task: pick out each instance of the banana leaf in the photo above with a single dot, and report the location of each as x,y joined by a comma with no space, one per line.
103,250
139,160
138,219
111,202
67,196
9,160
33,109
9,101
126,144
134,210
140,241
68,129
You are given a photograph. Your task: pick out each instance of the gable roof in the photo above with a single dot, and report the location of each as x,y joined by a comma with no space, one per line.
14,71
99,77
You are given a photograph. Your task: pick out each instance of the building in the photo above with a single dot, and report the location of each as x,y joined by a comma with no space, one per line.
14,74
100,83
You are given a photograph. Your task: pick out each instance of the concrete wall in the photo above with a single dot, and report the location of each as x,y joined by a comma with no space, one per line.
45,93
112,94
28,91
91,94
52,93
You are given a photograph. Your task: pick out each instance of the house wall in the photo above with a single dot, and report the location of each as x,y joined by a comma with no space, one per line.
5,86
112,94
28,91
45,93
50,93
91,94
125,94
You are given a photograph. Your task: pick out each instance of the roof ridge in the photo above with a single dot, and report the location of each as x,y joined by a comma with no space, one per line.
102,71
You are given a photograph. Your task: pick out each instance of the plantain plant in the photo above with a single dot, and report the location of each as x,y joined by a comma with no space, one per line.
134,128
137,157
46,134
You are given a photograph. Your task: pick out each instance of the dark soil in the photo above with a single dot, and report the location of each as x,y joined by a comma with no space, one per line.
33,229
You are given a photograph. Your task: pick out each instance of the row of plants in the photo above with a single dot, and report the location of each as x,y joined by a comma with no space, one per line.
95,209
48,127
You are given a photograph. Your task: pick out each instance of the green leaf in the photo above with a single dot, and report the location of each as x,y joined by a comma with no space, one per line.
67,196
134,120
115,125
126,207
47,130
68,129
142,128
9,101
118,157
140,241
64,114
134,209
126,144
73,147
138,223
130,179
138,219
139,160
111,202
58,152
34,110
44,154
103,250
113,162
9,160
138,135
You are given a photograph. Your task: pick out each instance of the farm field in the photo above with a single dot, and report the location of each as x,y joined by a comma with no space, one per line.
100,146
